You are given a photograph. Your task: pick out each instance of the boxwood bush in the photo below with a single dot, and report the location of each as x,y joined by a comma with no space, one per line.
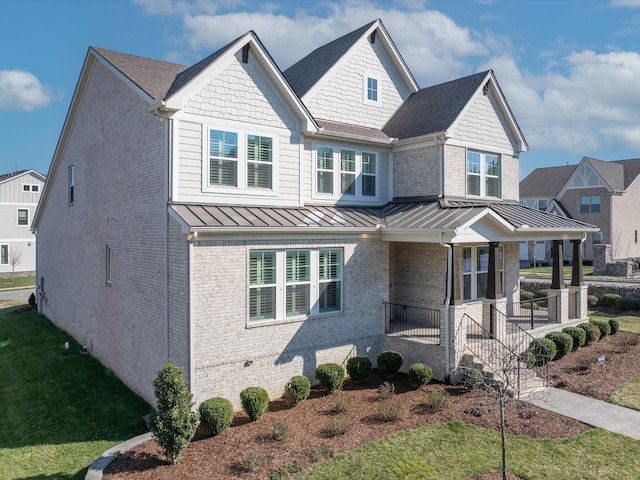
609,299
255,402
526,295
563,341
592,300
603,326
358,369
542,293
330,376
592,332
389,362
614,324
216,414
419,375
626,303
297,390
578,334
541,349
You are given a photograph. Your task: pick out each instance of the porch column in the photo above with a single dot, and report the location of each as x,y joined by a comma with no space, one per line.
557,276
576,264
494,285
456,294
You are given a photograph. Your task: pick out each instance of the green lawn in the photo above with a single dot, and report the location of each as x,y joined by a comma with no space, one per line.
545,272
458,451
17,282
60,409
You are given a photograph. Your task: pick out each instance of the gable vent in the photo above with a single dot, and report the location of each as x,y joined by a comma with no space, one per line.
245,54
372,37
485,89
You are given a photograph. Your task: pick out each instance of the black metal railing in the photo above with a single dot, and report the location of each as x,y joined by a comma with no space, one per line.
411,321
530,314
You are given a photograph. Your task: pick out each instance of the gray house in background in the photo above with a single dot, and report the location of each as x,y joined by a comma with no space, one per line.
250,224
19,195
601,193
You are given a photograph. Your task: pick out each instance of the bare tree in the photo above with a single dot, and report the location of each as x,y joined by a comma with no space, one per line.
15,259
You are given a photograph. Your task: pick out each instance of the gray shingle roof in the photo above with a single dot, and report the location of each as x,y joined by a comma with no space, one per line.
6,176
352,131
618,174
305,73
545,182
433,109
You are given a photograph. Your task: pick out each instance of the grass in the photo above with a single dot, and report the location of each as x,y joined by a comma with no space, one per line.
459,451
628,323
60,409
18,282
628,395
545,272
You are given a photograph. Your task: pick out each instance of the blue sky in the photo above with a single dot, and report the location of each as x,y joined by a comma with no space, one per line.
570,69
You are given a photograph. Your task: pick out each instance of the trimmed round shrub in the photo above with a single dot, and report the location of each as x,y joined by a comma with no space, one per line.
255,402
419,374
603,326
626,303
358,369
216,414
526,295
543,349
542,293
297,390
609,299
578,334
563,341
389,362
593,333
592,300
330,376
614,324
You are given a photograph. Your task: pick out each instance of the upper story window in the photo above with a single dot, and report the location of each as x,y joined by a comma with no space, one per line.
29,187
294,283
475,271
23,216
72,183
239,160
371,89
589,203
543,204
346,172
483,174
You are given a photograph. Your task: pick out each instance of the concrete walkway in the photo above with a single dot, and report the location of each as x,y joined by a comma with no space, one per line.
587,410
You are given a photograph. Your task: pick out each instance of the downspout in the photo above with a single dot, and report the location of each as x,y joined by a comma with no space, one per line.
168,181
447,301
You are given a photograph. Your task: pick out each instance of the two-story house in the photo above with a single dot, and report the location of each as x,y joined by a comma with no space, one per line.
19,195
601,193
250,224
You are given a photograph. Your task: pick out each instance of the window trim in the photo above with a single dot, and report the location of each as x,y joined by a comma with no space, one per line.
30,187
242,161
591,204
483,174
473,274
315,286
377,90
18,210
337,173
108,258
72,184
5,257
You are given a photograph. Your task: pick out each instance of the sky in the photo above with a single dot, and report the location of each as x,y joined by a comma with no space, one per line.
570,70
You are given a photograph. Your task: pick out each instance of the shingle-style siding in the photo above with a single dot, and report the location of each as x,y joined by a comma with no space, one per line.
416,172
229,356
117,153
341,98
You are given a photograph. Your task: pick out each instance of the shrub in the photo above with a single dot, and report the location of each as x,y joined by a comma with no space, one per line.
526,295
609,299
216,414
330,376
358,369
578,334
175,424
614,324
437,399
544,350
386,390
32,300
250,462
603,326
590,331
389,411
389,362
280,431
340,405
563,341
339,426
542,293
255,402
625,303
297,390
419,375
592,300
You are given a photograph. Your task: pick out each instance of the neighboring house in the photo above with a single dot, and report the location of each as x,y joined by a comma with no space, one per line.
19,195
250,224
605,194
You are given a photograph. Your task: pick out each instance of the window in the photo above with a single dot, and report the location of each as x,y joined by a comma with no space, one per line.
475,271
35,188
108,265
372,89
239,160
597,238
543,204
23,216
590,203
27,187
72,183
483,174
294,283
4,254
356,175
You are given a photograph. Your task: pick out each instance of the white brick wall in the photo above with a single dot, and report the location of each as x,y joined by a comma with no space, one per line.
416,172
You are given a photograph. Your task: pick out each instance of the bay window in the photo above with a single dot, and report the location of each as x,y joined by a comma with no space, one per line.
483,174
345,172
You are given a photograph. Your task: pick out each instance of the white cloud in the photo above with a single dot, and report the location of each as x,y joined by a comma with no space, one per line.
20,90
626,3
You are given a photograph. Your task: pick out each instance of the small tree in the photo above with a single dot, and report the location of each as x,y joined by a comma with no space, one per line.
15,259
175,424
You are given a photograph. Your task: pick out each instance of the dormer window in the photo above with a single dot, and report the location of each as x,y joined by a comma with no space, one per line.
483,174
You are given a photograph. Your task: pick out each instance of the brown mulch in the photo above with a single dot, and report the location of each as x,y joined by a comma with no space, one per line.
308,440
